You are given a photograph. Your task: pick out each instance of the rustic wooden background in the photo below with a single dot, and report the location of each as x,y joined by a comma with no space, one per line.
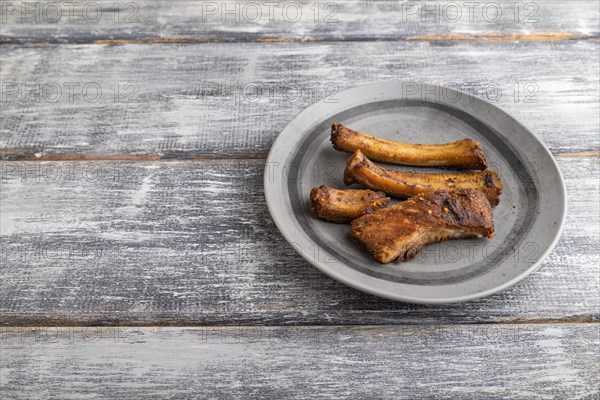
138,256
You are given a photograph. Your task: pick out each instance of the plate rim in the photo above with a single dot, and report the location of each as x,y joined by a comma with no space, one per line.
340,277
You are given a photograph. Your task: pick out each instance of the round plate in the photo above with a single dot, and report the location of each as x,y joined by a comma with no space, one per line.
528,219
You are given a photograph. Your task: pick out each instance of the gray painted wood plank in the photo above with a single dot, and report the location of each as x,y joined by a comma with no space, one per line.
240,21
182,242
206,100
443,362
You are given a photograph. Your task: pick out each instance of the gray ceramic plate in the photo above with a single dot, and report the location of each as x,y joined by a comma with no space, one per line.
528,219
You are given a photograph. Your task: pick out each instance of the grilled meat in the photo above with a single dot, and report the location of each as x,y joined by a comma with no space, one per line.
463,154
359,169
401,231
345,205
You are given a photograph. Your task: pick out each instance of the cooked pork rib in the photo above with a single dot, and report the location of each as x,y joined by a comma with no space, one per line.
401,231
463,154
345,205
359,169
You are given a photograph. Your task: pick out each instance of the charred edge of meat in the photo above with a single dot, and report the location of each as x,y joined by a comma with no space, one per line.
335,134
355,159
493,186
478,152
473,147
455,212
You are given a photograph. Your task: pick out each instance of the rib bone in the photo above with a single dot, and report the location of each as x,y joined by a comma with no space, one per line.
359,169
345,205
463,154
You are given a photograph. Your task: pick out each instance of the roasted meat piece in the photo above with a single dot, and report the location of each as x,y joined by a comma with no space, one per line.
345,205
463,154
359,169
401,231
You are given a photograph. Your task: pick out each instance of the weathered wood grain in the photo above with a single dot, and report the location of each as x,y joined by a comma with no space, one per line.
231,100
383,362
185,243
144,242
152,21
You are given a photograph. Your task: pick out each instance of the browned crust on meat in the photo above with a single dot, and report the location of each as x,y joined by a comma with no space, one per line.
401,231
359,169
345,205
462,154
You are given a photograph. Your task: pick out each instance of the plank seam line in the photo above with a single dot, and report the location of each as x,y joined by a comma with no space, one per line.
443,38
579,321
7,157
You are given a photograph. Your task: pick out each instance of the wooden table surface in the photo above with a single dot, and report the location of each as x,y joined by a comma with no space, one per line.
139,259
